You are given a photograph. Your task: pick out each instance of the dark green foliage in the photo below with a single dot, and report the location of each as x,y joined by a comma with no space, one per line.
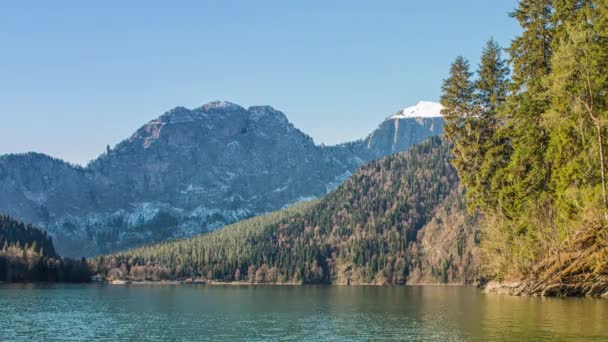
462,124
458,100
13,232
27,254
492,81
531,51
360,233
492,149
542,183
470,111
218,255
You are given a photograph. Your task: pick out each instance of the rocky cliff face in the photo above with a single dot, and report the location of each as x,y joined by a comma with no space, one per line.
187,172
397,134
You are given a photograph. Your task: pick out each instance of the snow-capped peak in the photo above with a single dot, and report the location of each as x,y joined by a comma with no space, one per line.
422,109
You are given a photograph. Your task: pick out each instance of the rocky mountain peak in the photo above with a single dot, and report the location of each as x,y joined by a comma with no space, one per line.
186,172
217,111
220,106
260,113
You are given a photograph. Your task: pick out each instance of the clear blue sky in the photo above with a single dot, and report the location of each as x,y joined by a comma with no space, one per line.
76,76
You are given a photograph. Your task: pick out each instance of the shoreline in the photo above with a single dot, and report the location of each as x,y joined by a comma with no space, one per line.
246,283
561,290
510,288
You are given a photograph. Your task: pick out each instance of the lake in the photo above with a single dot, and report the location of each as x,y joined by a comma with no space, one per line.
183,312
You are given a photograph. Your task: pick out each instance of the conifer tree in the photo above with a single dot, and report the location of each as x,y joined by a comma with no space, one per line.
521,183
512,182
578,87
461,124
493,79
531,52
457,98
491,89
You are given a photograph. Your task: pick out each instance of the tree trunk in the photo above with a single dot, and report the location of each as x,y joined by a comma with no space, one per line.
600,141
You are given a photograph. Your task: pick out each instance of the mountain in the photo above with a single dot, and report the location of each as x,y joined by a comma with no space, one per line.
397,220
190,171
400,131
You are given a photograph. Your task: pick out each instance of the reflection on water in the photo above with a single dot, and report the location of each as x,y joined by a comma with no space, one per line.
172,312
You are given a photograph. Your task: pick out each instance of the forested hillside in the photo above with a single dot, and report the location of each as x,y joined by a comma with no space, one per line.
374,229
530,148
27,254
16,232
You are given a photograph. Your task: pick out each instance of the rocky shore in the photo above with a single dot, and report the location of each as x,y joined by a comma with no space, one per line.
519,288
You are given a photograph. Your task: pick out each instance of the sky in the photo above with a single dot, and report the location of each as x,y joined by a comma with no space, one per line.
76,76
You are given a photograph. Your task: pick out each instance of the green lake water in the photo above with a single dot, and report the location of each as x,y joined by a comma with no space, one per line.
97,312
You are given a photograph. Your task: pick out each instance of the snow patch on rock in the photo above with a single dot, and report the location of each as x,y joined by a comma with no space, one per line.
422,109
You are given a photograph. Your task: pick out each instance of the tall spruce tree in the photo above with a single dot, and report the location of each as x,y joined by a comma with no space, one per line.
461,125
491,89
531,51
522,181
493,79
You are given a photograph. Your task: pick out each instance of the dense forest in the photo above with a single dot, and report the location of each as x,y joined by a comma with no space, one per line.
16,232
27,255
372,229
529,146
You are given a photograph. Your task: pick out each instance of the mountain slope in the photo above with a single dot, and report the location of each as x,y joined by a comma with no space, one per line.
374,228
27,254
187,172
13,232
